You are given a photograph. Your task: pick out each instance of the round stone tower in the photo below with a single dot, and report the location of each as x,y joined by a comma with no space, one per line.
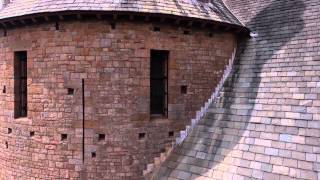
97,89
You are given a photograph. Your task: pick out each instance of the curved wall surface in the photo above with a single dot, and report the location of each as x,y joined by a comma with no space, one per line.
119,136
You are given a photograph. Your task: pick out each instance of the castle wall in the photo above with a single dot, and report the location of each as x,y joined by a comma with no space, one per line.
114,64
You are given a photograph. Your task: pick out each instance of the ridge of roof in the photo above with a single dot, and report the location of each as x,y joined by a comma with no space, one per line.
225,4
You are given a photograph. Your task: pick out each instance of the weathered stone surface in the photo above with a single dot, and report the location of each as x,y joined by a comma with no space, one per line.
114,64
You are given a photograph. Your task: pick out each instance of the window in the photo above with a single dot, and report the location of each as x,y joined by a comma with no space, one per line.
20,84
32,133
101,137
142,135
159,82
113,25
183,89
70,91
64,137
156,28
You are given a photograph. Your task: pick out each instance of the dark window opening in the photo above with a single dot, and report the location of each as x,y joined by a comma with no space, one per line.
9,130
156,28
93,154
113,25
64,137
171,134
101,137
183,89
142,135
4,90
159,82
5,33
31,133
70,91
20,84
57,26
210,34
7,145
186,32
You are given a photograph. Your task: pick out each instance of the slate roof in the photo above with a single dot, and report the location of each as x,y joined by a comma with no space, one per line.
262,126
215,10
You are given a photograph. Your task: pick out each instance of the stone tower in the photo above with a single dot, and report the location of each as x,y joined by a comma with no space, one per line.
97,89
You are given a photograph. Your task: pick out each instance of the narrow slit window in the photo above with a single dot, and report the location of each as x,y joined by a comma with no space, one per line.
57,26
20,84
159,82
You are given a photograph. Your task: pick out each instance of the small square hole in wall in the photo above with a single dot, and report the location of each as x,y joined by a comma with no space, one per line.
70,91
64,137
210,34
7,144
31,133
93,154
113,25
186,32
183,89
142,135
9,130
170,133
156,28
101,137
4,90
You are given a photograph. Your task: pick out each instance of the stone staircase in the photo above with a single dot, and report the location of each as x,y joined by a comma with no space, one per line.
215,97
157,162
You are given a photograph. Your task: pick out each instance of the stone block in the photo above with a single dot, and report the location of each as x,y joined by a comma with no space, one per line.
280,170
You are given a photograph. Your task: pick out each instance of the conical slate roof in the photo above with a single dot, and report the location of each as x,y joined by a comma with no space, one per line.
199,9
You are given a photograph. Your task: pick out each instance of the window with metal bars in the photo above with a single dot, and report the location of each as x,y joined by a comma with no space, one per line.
20,84
159,82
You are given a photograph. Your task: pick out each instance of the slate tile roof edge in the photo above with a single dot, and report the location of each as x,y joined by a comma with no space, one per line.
215,11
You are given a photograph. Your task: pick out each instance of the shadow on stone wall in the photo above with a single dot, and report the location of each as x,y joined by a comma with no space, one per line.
276,25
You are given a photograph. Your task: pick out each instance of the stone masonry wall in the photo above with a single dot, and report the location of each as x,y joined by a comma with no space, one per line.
114,64
266,124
